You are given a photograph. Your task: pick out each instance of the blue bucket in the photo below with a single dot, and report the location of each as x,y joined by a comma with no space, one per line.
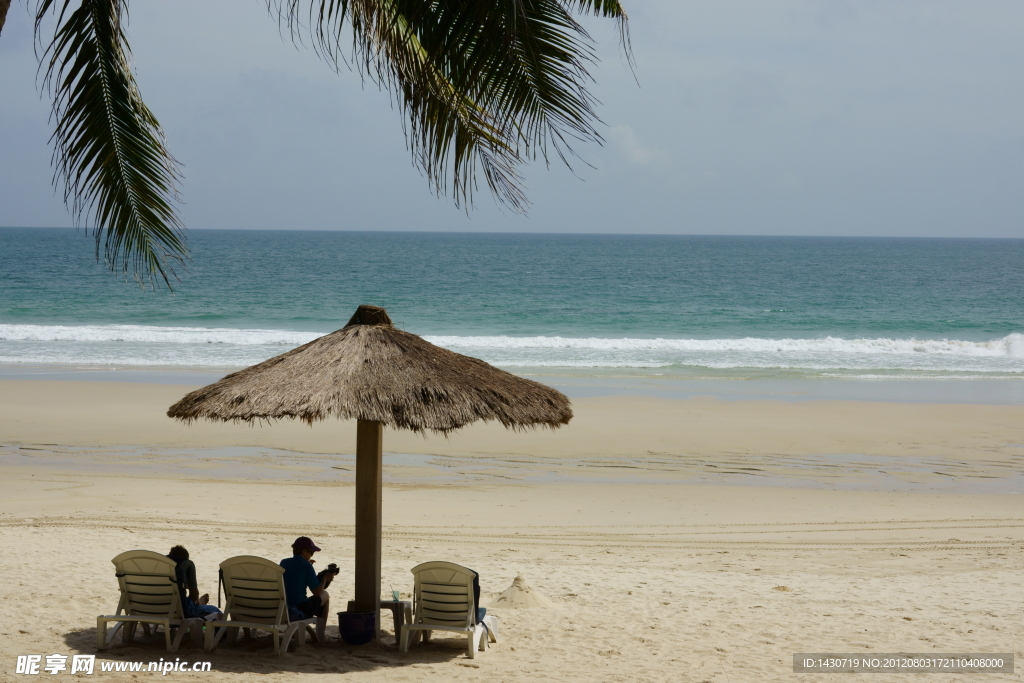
357,628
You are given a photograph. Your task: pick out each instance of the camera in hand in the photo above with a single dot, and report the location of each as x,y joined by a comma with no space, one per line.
331,569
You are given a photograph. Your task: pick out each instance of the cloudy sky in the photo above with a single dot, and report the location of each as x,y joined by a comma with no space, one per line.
793,117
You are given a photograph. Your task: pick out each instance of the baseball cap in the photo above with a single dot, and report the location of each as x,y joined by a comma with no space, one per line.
305,543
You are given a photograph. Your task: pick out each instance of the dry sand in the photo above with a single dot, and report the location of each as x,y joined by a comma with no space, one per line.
696,540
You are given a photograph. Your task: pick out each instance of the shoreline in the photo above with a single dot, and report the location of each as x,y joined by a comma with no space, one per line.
972,390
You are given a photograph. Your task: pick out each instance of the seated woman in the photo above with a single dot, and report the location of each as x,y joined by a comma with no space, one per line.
192,604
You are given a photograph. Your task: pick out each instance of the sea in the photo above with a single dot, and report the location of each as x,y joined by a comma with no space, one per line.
624,307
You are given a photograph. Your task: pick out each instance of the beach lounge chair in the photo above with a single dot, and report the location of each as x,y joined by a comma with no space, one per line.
445,597
255,599
149,596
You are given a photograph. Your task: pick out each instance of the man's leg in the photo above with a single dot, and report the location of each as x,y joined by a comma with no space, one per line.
321,621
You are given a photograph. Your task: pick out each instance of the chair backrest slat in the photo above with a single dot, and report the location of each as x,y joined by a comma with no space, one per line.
428,616
444,589
269,585
444,598
257,594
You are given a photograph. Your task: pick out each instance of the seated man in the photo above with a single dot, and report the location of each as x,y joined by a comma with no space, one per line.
192,603
298,576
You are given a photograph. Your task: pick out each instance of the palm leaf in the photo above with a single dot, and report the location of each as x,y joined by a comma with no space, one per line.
482,83
439,117
109,151
4,6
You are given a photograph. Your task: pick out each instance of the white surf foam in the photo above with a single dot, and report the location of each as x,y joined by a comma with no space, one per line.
142,345
1010,346
152,334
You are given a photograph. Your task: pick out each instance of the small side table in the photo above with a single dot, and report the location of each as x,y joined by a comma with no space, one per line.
401,612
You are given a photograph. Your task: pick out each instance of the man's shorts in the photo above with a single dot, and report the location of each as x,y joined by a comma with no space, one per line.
306,610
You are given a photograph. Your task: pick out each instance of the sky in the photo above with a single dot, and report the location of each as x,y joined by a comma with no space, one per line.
792,117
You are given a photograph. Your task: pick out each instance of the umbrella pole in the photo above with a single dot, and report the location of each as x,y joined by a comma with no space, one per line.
369,489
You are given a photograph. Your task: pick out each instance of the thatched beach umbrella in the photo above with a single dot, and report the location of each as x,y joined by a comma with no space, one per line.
373,372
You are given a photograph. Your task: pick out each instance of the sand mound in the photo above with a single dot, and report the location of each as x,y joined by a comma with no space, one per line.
519,595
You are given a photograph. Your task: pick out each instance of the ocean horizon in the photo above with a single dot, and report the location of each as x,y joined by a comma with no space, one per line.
573,305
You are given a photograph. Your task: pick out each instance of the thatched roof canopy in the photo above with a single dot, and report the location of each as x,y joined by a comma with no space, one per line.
371,370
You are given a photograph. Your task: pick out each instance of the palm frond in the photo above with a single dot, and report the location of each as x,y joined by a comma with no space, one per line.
603,8
611,9
109,152
4,6
485,83
443,124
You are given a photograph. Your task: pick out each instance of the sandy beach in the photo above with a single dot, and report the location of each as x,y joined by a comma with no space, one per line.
669,540
726,385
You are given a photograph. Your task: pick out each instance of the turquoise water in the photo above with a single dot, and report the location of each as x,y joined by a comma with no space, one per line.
687,306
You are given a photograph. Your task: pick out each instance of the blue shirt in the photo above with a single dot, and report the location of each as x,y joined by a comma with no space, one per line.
298,576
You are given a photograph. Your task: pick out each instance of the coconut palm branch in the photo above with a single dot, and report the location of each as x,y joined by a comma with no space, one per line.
482,83
109,151
4,6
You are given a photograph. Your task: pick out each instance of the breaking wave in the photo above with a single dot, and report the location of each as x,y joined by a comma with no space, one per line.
1011,346
139,345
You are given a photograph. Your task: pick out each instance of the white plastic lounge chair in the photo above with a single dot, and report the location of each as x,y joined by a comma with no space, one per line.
149,596
256,599
443,601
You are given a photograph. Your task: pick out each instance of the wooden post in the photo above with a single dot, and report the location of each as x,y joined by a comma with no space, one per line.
369,490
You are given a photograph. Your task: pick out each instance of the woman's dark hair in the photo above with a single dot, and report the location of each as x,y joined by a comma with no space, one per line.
180,551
